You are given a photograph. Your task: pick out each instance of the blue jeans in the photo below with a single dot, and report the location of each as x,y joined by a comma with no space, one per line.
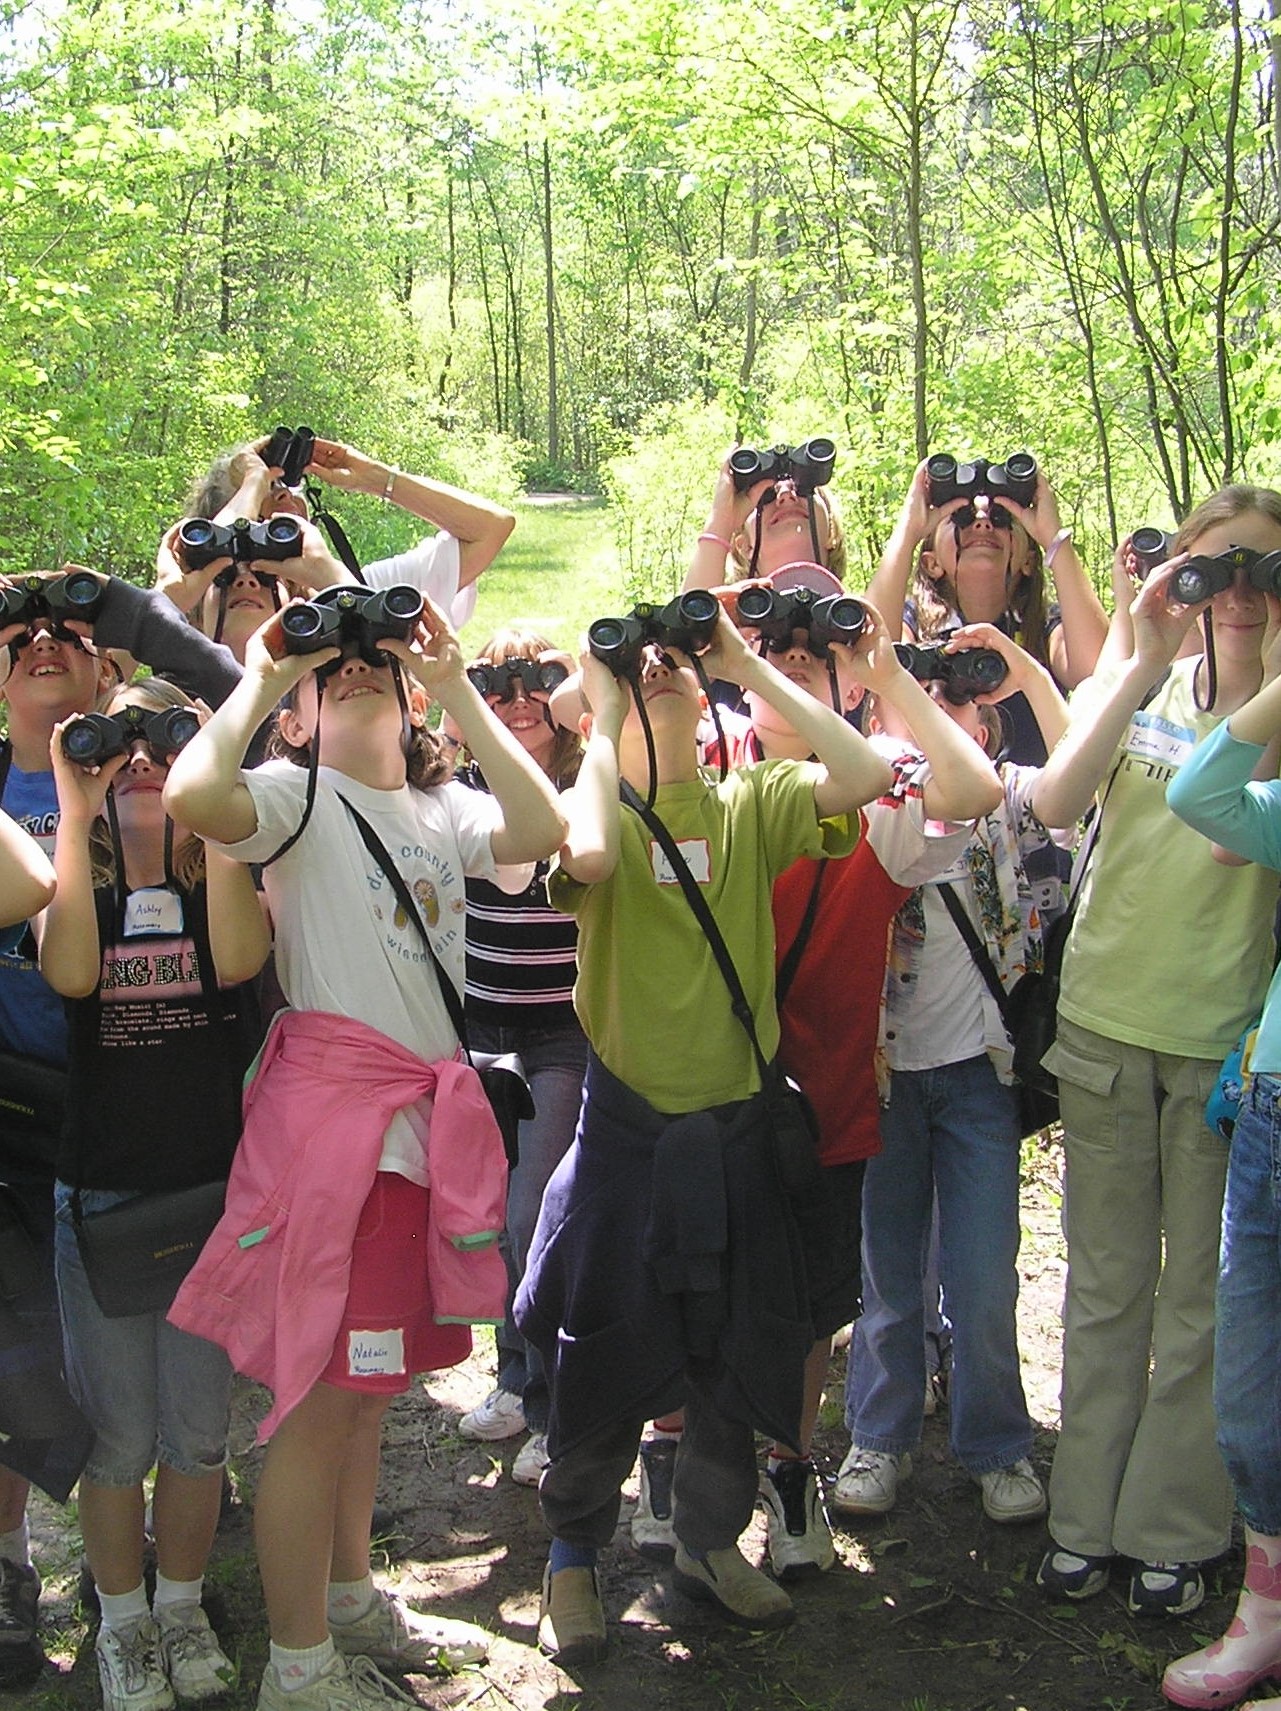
555,1061
954,1130
1247,1346
149,1391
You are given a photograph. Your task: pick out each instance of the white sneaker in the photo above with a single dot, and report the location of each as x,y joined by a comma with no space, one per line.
343,1685
395,1637
868,1481
195,1663
500,1415
1013,1493
800,1539
651,1529
129,1668
531,1459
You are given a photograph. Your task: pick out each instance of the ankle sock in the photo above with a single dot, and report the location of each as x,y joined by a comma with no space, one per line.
298,1669
565,1555
123,1609
171,1594
15,1547
349,1600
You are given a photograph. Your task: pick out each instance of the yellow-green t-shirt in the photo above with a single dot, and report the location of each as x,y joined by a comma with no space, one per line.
1170,949
649,994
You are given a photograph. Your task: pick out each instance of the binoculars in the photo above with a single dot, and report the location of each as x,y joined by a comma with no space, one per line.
289,450
963,675
686,623
1205,575
831,618
808,466
1151,547
500,679
354,619
78,594
1014,479
200,542
96,737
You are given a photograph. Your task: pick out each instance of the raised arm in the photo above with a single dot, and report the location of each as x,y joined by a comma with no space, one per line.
70,949
590,851
917,521
238,933
26,874
1023,673
1074,647
708,566
479,526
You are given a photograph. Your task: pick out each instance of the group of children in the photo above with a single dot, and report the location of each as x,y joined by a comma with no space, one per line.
839,880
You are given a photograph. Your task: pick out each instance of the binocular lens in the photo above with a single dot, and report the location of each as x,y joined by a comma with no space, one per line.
403,602
284,531
180,727
300,622
698,607
606,633
81,589
196,532
847,616
1021,467
755,604
1147,541
80,742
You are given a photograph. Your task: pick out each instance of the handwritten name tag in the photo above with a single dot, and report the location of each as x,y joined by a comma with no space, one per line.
371,1353
698,858
153,913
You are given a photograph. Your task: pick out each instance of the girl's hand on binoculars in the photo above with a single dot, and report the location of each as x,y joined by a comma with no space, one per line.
82,791
605,696
1019,664
77,626
1159,620
730,508
728,654
1039,520
184,589
919,517
870,660
268,659
434,657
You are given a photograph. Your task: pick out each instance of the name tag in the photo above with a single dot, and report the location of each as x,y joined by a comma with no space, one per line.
153,913
1152,738
698,858
372,1353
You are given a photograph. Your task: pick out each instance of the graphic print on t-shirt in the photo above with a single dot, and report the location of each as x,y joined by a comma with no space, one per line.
150,991
437,886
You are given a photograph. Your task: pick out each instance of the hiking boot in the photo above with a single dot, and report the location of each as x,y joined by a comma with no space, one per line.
190,1655
868,1481
531,1459
1069,1574
501,1415
571,1621
1165,1589
129,1668
1012,1493
21,1654
345,1684
800,1539
651,1528
395,1637
742,1593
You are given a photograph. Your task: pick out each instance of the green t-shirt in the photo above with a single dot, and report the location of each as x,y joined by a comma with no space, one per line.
649,994
1171,950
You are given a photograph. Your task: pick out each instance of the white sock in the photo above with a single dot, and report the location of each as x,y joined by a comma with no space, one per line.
15,1547
123,1609
298,1669
170,1593
349,1600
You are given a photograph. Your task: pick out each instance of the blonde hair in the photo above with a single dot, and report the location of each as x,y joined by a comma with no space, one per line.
834,559
512,642
158,694
426,764
1226,506
937,601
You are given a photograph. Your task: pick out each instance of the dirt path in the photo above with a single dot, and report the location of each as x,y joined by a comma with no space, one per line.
931,1608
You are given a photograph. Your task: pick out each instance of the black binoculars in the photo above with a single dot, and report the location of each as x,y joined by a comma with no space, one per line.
830,618
354,619
501,678
96,737
808,466
1204,576
685,623
289,450
1151,547
971,672
1014,479
200,542
77,594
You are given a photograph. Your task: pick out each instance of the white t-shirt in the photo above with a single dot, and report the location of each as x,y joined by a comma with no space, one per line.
945,1024
433,568
343,944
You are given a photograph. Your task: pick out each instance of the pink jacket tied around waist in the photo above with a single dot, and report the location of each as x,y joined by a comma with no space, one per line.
271,1284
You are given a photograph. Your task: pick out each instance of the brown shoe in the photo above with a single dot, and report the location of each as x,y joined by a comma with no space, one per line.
742,1593
571,1622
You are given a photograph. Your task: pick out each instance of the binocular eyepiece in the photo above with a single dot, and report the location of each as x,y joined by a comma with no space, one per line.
971,672
501,677
1206,575
200,542
809,466
289,450
686,623
78,594
354,619
1150,547
97,737
829,618
1014,479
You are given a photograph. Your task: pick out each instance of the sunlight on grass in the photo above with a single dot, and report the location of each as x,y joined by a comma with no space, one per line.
558,571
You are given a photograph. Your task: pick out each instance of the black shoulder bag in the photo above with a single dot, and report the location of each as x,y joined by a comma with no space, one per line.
502,1074
792,1120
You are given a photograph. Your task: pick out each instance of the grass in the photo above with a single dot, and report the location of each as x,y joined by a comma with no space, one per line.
559,570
